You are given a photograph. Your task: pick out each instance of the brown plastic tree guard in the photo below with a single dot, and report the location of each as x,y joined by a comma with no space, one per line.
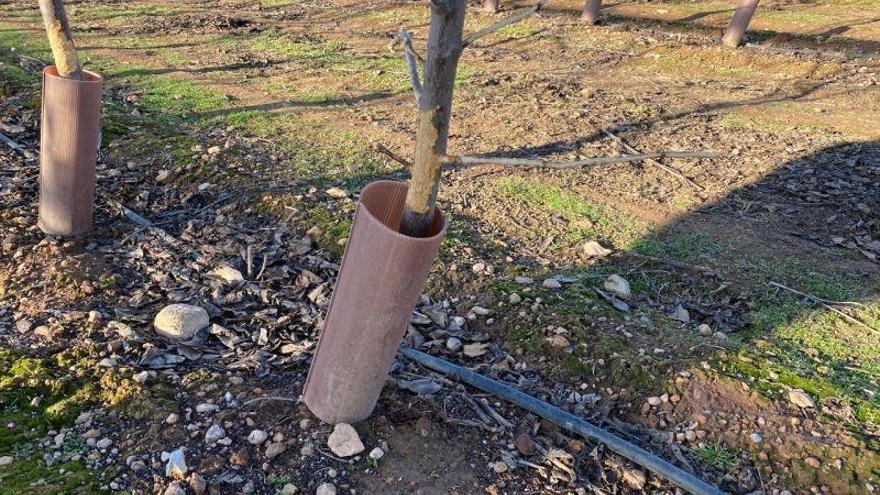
383,273
735,31
68,152
591,10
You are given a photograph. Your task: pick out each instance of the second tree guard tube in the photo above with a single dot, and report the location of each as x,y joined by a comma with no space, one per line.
382,276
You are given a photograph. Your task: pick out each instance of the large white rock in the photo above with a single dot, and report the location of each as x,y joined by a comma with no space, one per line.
227,274
618,286
800,398
176,467
345,441
326,489
180,322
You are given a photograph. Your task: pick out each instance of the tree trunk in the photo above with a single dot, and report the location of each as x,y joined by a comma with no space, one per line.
444,50
491,5
58,32
591,10
734,33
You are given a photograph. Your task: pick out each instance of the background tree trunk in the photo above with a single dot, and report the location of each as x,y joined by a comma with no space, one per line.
734,33
58,32
491,5
591,10
444,50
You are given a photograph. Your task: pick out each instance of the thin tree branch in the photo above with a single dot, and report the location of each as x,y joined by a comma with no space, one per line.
657,164
468,40
412,65
14,145
380,148
817,299
828,305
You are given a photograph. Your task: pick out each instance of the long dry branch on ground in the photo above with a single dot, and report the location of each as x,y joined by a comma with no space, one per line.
455,162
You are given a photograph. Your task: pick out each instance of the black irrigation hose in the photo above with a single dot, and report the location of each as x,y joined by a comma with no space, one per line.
568,421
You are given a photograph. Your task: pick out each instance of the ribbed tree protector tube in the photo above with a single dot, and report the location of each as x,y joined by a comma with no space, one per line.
735,31
68,152
591,10
382,276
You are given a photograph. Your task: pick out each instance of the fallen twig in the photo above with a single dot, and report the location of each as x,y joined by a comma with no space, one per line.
270,397
817,299
674,263
500,24
828,305
652,160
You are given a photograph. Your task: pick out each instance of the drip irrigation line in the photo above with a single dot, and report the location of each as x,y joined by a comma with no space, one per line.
568,421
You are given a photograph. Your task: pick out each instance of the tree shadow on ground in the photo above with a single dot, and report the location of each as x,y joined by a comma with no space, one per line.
776,284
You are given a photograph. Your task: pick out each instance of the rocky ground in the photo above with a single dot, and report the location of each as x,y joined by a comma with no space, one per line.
234,147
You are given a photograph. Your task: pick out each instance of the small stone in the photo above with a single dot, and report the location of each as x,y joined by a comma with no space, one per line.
337,193
551,284
618,286
214,150
453,344
198,484
377,454
107,363
275,449
227,274
83,418
207,407
478,267
174,488
524,280
92,434
326,489
345,441
704,329
288,489
720,335
176,465
593,249
514,298
559,342
104,443
800,398
163,176
6,460
23,326
214,433
654,401
524,444
499,467
172,418
180,322
756,438
812,462
142,377
479,310
35,402
257,437
635,478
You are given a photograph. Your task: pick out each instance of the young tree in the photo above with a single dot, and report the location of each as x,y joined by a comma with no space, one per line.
735,31
60,40
491,5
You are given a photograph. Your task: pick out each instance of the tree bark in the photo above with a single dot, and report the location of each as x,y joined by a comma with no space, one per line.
591,10
60,40
735,31
432,131
491,5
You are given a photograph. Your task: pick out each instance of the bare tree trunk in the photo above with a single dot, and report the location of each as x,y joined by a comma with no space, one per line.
491,5
58,31
444,49
591,10
735,31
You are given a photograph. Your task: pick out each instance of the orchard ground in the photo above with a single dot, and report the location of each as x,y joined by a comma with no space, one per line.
251,110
